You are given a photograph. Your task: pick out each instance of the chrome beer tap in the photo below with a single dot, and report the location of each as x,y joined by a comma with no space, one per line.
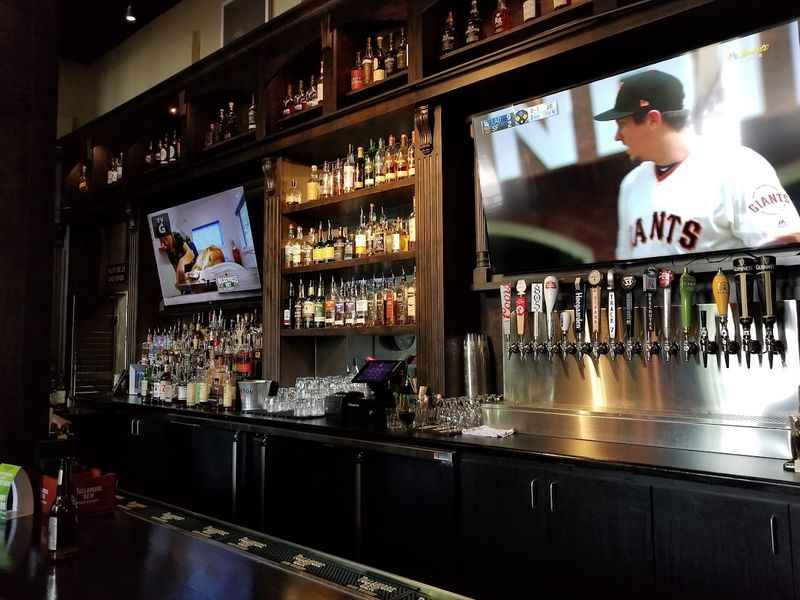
564,346
744,269
721,291
521,310
669,348
616,347
595,308
581,346
550,299
707,346
687,285
537,298
649,286
632,345
765,267
505,302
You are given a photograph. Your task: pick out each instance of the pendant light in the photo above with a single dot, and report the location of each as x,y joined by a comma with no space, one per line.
129,16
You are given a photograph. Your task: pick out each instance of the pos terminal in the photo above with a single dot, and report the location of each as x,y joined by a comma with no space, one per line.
380,376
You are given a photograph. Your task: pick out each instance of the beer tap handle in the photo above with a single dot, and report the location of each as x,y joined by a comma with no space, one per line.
665,277
704,344
611,285
649,286
521,309
596,307
743,269
537,299
629,287
721,290
550,298
505,303
765,267
580,315
687,285
566,321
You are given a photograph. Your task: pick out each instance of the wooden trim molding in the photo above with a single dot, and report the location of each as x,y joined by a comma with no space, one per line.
481,272
272,272
423,125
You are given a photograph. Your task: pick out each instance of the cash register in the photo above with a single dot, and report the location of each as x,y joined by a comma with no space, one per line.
370,410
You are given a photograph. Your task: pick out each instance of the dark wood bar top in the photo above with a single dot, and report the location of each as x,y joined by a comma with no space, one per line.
129,557
744,471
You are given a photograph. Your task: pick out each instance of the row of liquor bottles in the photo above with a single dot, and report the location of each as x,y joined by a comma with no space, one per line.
385,301
201,361
114,174
365,168
227,124
377,65
373,236
297,101
501,20
164,150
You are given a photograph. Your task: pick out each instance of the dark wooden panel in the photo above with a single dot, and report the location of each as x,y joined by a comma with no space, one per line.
273,260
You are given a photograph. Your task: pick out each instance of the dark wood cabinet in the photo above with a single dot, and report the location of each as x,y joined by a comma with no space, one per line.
140,453
715,545
409,514
310,494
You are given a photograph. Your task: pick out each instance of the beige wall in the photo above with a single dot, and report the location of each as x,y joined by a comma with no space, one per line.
156,52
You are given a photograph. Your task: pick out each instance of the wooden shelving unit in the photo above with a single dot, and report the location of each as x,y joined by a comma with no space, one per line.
345,331
231,141
377,259
389,195
383,84
297,117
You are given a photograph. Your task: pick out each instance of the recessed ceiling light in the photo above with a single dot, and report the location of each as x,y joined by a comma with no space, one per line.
129,16
173,110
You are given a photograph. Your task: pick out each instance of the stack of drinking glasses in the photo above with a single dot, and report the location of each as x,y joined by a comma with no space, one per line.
313,396
446,416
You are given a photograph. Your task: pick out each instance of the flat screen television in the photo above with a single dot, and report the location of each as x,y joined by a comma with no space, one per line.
699,153
205,250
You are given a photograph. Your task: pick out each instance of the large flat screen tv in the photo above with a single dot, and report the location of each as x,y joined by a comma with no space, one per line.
699,153
205,250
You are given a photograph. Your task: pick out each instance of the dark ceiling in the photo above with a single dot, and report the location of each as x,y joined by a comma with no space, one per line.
88,32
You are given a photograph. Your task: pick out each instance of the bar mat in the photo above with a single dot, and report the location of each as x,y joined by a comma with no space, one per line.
277,551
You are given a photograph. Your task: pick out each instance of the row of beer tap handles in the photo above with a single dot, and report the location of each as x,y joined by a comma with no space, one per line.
544,301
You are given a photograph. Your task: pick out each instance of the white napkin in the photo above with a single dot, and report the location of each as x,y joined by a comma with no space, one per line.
486,431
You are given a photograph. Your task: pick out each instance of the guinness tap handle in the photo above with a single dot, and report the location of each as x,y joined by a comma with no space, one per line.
743,272
765,267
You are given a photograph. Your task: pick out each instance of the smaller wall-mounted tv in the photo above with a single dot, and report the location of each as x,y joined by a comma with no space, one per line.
205,250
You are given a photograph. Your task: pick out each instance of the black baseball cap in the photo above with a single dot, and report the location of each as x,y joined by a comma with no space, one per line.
648,90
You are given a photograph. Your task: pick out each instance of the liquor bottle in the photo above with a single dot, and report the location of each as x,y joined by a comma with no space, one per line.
350,306
380,163
357,73
330,305
338,178
390,161
308,306
473,30
288,309
380,306
361,237
173,151
561,3
330,245
369,166
111,173
297,250
349,171
412,154
311,94
119,167
402,51
361,305
320,84
412,225
288,247
449,34
371,228
163,155
319,305
181,387
368,64
529,10
288,101
62,521
232,121
316,245
360,168
148,158
222,126
326,185
300,97
178,145
379,62
165,389
338,298
338,245
313,187
349,245
388,299
378,236
402,157
307,249
400,299
502,17
293,195
251,114
411,299
391,57
298,306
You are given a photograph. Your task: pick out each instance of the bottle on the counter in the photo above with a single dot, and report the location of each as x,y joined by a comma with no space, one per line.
62,522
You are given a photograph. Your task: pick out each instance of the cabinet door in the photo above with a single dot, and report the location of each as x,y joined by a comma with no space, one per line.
600,530
717,545
151,457
502,526
409,516
310,494
215,456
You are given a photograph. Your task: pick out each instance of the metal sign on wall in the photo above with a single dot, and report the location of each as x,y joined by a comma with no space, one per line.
117,274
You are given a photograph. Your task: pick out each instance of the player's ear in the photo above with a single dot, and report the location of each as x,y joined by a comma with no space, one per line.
654,118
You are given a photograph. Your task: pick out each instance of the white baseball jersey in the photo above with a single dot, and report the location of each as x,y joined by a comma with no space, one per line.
713,200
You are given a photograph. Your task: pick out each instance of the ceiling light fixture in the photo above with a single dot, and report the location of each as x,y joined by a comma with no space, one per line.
129,16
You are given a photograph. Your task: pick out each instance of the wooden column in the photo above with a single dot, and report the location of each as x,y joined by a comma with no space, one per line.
29,79
132,217
272,272
481,272
430,250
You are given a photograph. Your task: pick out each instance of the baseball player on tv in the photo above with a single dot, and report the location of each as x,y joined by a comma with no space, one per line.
686,196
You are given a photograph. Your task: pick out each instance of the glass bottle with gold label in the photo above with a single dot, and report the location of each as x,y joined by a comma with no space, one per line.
402,226
502,17
313,187
402,157
369,165
380,163
330,245
330,305
360,175
412,156
378,235
361,237
391,159
412,225
380,309
411,299
400,299
339,244
368,64
319,305
297,249
293,196
288,247
307,249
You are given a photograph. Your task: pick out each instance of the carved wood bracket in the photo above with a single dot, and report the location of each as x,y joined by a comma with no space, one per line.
423,121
